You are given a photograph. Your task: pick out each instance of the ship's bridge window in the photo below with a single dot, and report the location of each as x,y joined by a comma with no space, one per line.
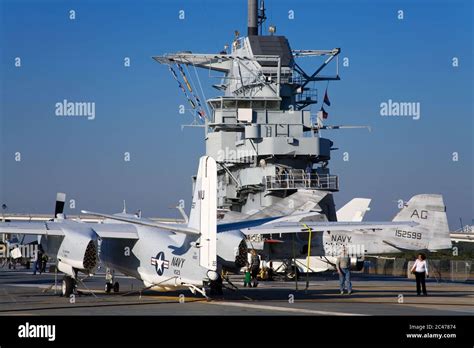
229,104
259,104
273,104
243,104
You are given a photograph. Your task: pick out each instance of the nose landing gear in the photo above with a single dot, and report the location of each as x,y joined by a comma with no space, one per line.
110,284
68,286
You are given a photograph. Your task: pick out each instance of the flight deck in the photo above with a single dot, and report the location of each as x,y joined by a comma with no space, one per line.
22,293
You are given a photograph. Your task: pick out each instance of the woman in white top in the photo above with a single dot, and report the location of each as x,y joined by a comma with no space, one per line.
420,268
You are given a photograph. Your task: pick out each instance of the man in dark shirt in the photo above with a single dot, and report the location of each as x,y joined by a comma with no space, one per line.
254,267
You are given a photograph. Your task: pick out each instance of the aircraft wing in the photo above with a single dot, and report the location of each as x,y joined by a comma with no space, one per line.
165,226
293,227
239,225
37,228
116,231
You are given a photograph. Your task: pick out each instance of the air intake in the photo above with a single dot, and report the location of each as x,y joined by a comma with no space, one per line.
241,258
90,256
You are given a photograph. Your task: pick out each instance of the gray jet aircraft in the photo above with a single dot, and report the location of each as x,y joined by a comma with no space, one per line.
164,256
421,225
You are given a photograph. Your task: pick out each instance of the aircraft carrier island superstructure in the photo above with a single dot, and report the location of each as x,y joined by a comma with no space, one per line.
260,129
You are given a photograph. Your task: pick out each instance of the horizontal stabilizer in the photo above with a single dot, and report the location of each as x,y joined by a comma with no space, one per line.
462,237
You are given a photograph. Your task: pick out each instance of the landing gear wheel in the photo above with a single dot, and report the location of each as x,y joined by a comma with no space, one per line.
216,287
108,287
116,287
292,272
67,287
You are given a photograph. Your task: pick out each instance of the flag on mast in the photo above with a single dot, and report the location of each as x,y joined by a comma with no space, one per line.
326,98
324,113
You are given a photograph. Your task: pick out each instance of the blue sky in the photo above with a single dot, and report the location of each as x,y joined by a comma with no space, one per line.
406,60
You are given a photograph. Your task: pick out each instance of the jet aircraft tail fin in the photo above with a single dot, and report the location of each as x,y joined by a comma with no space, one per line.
60,200
203,216
354,210
429,211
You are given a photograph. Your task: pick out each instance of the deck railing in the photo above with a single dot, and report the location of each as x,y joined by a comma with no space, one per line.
301,180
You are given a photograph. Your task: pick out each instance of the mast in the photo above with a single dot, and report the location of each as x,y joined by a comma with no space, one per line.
272,158
252,18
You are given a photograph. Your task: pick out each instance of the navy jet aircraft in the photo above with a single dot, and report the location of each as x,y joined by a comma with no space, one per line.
421,225
164,256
